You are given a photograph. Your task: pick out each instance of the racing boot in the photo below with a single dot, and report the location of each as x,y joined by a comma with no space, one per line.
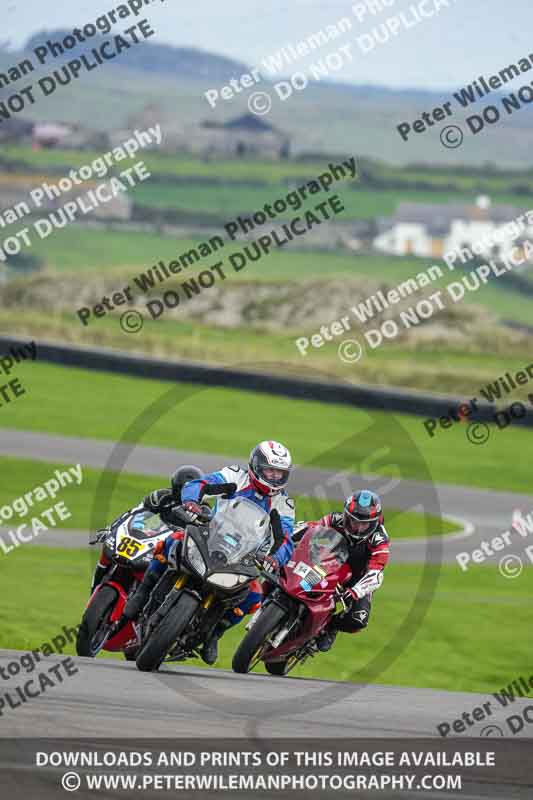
139,598
326,639
210,649
136,602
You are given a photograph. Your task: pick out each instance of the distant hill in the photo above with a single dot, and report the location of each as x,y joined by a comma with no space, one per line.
185,62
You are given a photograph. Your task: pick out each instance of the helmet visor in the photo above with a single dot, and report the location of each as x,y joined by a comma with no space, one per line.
273,476
359,527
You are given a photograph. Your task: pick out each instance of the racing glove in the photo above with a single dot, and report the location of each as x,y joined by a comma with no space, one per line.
195,512
370,581
350,596
159,500
270,565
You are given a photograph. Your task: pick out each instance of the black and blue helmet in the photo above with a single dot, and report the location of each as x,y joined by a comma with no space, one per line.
362,514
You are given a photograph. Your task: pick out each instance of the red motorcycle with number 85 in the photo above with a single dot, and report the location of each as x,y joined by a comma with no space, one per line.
128,545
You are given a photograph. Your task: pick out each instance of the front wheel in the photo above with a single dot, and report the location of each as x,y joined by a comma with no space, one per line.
169,629
250,650
96,616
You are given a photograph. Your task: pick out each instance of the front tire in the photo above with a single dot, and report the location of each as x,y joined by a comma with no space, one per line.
169,629
96,615
278,668
269,619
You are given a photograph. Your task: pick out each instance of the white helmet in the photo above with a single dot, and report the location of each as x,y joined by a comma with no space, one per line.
269,467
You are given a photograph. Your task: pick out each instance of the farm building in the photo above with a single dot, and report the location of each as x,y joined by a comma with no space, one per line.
242,137
246,136
429,230
50,135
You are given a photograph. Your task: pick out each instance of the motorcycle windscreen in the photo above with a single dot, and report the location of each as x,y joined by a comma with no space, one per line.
146,524
239,528
326,548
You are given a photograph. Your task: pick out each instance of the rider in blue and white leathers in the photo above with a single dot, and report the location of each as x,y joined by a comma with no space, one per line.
263,483
245,488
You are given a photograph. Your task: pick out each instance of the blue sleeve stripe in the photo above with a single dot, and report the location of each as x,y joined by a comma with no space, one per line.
286,550
287,523
214,477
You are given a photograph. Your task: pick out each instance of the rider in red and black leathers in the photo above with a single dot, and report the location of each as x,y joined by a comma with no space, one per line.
362,524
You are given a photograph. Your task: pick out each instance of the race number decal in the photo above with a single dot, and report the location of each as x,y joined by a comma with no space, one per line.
303,570
310,575
130,548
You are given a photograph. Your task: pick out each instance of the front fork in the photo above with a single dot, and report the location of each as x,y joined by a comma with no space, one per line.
182,581
281,635
164,608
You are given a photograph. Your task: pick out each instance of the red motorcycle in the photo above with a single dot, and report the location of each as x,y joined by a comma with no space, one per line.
301,602
128,545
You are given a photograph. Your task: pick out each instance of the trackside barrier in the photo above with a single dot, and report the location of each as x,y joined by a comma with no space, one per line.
326,391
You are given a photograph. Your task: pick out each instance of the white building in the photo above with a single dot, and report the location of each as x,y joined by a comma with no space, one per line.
430,231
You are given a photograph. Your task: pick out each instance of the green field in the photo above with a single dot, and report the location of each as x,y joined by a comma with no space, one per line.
108,406
471,182
173,164
359,201
226,196
427,651
485,179
20,474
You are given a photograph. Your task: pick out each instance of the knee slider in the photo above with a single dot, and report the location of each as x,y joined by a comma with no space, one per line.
360,619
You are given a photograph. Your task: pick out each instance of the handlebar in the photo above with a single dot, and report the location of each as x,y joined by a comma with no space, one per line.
178,515
339,595
101,535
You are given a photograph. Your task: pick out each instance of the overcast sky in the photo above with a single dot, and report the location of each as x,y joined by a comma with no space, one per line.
469,38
